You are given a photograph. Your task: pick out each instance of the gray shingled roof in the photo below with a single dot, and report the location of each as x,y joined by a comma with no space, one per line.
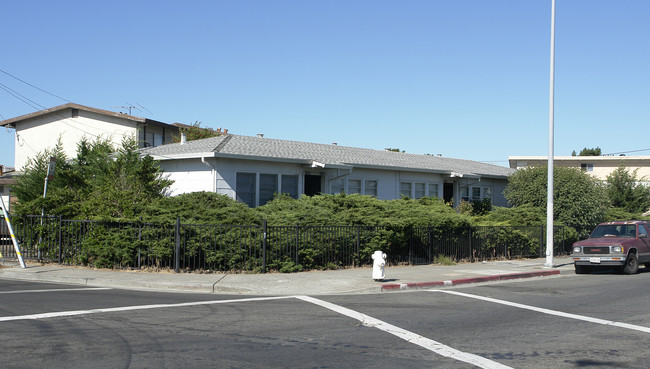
256,148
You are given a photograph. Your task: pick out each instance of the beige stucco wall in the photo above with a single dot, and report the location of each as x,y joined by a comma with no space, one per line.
35,135
602,165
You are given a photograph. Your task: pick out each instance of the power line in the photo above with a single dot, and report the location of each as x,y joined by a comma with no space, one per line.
36,87
625,152
21,97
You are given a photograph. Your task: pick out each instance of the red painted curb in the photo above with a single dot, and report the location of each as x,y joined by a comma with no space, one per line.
498,277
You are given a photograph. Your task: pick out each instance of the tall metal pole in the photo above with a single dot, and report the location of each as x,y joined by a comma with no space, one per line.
549,197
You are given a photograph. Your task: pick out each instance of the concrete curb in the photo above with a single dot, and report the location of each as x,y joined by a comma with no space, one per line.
455,282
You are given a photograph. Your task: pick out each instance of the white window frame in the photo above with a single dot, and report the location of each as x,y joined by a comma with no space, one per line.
402,190
255,193
469,193
367,189
431,192
257,176
358,189
421,191
264,197
282,187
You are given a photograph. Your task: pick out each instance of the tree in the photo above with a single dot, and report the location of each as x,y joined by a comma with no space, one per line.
626,192
195,132
579,199
30,185
589,152
98,183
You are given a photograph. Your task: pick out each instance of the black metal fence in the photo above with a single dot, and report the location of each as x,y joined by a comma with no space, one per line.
259,248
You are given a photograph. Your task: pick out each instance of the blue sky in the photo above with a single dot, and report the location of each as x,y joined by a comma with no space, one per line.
466,79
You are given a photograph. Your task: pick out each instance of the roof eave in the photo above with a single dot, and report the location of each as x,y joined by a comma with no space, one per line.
9,123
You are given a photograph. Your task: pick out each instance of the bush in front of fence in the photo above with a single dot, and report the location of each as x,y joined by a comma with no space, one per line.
328,232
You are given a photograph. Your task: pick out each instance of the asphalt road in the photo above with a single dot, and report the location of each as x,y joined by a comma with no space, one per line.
581,321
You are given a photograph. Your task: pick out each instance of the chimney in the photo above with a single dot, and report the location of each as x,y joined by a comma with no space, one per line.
260,135
183,138
335,144
2,169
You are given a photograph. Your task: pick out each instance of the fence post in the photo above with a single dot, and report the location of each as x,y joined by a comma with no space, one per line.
177,253
297,244
60,241
542,233
358,260
430,252
471,251
139,242
264,229
410,235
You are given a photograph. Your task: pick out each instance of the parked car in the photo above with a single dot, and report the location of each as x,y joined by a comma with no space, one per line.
621,245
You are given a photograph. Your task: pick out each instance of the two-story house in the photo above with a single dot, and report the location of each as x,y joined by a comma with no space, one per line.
69,123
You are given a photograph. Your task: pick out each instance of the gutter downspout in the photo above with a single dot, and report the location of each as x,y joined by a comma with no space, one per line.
214,173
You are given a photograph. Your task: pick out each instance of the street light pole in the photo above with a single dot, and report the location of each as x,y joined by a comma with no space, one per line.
551,128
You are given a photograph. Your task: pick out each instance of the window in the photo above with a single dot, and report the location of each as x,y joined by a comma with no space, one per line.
433,190
268,187
354,186
587,167
487,192
290,185
405,189
370,188
337,186
255,189
246,188
420,190
476,193
153,139
464,193
642,231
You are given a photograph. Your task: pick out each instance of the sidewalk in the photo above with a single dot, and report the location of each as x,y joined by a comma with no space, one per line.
344,281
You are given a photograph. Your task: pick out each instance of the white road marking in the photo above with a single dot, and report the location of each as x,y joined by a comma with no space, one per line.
550,312
56,290
129,308
411,337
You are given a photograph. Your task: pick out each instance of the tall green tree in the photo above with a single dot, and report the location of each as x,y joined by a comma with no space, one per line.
579,199
626,192
98,183
30,185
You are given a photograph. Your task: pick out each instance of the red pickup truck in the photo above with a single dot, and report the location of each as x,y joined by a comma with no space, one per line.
621,245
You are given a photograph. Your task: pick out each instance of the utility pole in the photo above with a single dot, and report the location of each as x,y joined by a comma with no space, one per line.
551,148
48,177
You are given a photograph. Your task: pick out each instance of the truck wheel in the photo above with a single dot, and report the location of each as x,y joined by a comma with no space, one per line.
631,265
582,269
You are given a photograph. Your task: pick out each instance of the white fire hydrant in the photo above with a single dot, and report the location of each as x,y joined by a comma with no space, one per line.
378,264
